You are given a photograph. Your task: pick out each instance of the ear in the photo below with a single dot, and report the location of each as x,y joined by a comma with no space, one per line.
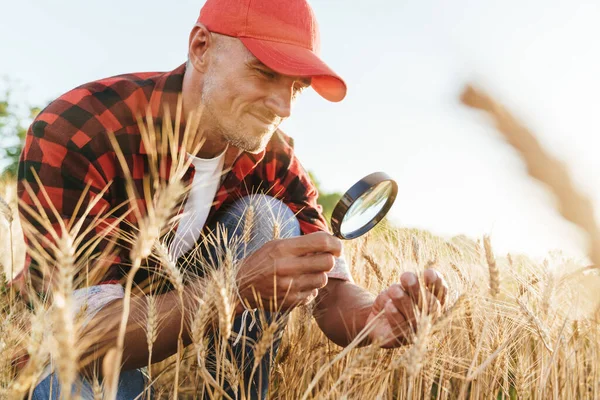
199,44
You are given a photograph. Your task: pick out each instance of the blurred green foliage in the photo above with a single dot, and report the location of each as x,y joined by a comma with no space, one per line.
14,121
326,200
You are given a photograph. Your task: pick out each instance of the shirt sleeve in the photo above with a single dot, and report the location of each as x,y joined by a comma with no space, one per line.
61,181
87,302
290,182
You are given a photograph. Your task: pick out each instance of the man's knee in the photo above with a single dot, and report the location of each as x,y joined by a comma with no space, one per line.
258,219
268,215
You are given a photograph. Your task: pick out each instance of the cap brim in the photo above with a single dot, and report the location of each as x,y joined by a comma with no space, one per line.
288,59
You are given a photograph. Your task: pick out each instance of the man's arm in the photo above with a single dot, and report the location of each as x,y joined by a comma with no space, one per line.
299,265
342,309
101,332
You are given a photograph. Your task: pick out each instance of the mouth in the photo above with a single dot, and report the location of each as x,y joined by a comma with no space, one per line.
263,120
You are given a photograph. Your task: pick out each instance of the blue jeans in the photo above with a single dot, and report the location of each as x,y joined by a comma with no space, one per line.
266,210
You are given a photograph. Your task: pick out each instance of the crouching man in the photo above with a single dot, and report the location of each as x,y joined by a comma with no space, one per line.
247,63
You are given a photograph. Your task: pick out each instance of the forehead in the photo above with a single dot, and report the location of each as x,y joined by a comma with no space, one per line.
234,49
255,62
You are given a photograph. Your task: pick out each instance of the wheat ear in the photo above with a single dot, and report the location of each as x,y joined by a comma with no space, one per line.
416,249
151,329
6,210
375,267
492,267
534,320
416,353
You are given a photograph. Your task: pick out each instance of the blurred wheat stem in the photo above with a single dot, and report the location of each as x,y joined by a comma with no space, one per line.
7,213
67,246
358,339
160,198
175,276
573,205
152,325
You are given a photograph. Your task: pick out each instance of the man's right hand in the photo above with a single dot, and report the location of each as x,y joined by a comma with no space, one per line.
287,272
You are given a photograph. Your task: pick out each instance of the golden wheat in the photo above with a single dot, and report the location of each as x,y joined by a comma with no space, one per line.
515,337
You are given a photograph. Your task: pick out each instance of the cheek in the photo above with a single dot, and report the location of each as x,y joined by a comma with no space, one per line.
233,95
244,97
219,98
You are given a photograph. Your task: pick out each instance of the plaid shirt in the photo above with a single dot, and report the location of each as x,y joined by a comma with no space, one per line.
67,145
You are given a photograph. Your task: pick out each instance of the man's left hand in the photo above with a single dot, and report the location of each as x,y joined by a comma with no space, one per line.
402,303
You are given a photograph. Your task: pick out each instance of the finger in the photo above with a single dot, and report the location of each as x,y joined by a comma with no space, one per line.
404,303
411,285
380,301
318,242
434,281
434,307
291,266
401,329
303,283
294,299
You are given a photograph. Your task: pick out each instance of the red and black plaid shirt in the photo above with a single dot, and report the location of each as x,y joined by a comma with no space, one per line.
68,147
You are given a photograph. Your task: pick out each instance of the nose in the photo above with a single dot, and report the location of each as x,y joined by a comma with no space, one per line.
279,101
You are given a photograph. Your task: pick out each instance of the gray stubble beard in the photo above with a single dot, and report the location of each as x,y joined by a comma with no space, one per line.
236,136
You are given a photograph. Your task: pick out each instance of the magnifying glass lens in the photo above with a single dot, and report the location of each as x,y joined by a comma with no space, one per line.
366,208
363,205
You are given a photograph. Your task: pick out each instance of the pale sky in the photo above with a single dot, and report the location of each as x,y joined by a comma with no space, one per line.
405,63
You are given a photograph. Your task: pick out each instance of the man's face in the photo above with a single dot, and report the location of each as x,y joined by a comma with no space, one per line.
245,101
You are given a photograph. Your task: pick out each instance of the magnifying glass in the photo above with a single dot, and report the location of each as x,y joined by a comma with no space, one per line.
363,205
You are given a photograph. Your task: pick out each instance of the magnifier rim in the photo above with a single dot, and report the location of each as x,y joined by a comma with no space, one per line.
354,193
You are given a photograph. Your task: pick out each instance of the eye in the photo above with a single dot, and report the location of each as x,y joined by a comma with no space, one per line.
265,73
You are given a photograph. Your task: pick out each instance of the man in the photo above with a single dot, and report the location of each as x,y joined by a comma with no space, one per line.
247,63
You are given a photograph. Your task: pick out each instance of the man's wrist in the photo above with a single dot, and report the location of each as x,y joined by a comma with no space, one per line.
342,311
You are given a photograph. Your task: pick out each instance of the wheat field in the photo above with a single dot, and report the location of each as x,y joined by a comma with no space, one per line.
512,327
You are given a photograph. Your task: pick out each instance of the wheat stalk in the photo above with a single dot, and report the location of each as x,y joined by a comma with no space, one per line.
176,278
492,267
38,351
151,329
248,226
221,297
375,267
169,266
548,290
197,330
535,322
63,314
110,368
276,229
96,388
573,205
416,353
470,324
416,249
265,342
160,206
495,347
5,210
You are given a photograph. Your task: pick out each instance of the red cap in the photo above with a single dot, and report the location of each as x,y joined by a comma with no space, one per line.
282,34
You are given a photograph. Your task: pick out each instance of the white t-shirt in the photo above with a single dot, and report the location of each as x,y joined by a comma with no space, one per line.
201,196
